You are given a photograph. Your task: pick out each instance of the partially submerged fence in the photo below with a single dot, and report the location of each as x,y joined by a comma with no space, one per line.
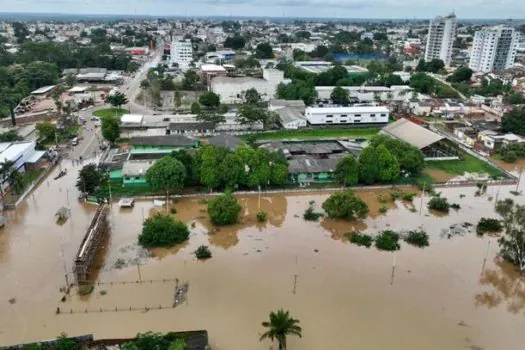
88,248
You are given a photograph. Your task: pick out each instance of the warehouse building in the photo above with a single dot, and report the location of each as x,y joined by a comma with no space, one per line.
352,115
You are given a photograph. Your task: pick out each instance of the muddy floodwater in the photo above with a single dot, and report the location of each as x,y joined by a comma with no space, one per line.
454,294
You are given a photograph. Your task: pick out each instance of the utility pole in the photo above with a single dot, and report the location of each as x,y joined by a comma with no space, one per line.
138,270
519,179
110,199
422,195
393,270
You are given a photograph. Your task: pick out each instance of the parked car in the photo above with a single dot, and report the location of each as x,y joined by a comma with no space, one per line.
74,141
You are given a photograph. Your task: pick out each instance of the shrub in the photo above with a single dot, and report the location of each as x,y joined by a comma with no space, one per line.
439,204
173,210
203,253
310,215
510,157
388,240
488,225
262,216
383,209
345,205
382,198
224,210
86,289
418,238
395,194
360,239
455,206
408,196
162,231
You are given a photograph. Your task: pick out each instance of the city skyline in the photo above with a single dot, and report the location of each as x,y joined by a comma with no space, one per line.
477,9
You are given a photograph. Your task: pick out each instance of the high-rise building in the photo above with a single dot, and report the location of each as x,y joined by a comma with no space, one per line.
441,35
181,53
494,49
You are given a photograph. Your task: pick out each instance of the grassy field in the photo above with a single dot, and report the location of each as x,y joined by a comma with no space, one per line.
110,112
317,133
470,164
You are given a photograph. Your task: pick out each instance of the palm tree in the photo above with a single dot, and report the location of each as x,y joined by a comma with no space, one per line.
281,325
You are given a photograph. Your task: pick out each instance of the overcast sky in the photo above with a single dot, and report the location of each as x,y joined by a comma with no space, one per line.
277,8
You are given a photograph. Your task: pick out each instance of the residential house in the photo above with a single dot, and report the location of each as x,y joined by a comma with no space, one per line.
291,113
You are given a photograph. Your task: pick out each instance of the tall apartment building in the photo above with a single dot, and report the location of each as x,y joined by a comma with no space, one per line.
181,53
494,49
441,35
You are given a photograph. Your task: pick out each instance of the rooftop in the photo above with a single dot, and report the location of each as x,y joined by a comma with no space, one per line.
43,90
136,168
349,109
415,135
164,140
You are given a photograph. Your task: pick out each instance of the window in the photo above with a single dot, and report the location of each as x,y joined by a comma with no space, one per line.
343,121
329,121
127,178
357,120
329,116
383,114
357,115
343,115
137,177
372,115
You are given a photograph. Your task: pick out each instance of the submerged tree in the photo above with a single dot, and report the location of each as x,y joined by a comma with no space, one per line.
512,242
281,324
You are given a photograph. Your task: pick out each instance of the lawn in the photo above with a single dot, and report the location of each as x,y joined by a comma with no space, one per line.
317,133
469,164
110,112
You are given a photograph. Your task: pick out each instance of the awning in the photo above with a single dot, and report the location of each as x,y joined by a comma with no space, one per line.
35,157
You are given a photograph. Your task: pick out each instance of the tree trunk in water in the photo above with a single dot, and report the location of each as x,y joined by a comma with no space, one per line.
12,112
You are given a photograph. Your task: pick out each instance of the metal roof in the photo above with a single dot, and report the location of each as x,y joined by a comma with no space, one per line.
413,134
307,164
226,141
43,90
164,140
136,168
348,110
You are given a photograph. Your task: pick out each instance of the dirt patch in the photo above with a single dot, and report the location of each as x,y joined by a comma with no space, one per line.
439,175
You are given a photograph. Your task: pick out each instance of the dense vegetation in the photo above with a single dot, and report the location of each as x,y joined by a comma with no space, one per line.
89,178
387,240
203,253
360,239
512,242
514,121
40,64
439,204
488,225
345,205
224,210
418,238
383,161
162,231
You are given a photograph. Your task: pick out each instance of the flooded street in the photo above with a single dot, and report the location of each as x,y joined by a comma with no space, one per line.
345,296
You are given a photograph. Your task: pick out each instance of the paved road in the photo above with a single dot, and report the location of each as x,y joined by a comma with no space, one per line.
131,87
89,138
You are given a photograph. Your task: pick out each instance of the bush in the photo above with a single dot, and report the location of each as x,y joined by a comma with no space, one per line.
162,231
86,289
382,198
173,210
388,240
345,205
262,216
488,225
439,204
310,215
203,253
224,210
510,157
408,196
360,239
455,206
383,209
396,194
418,238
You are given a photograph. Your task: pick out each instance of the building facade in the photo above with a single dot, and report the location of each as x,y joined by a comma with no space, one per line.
494,49
441,35
181,54
347,115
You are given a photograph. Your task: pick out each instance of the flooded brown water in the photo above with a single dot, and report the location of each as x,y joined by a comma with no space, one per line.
442,297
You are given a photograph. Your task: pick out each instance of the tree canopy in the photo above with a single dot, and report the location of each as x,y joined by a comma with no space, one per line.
347,171
210,99
89,178
236,42
339,95
166,174
162,231
117,99
224,210
461,74
281,325
345,205
264,51
110,128
512,242
514,121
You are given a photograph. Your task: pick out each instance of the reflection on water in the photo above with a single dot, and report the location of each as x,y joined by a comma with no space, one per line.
507,287
258,267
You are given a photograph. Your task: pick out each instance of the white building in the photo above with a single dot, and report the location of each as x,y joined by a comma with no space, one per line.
441,35
231,89
369,93
347,115
494,49
20,154
291,113
181,53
